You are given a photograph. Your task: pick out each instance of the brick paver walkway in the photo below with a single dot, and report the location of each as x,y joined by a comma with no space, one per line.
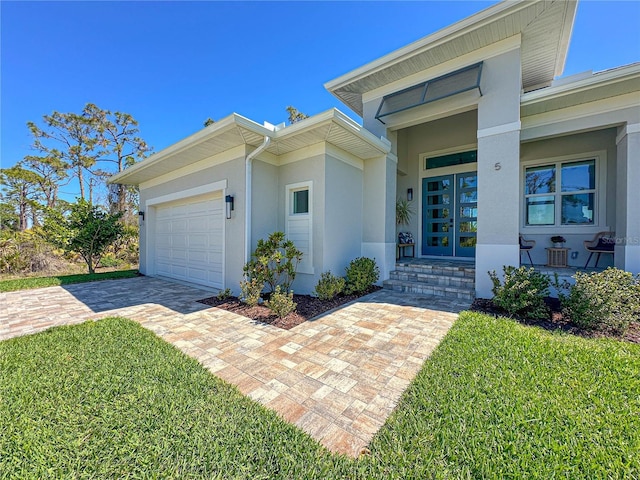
337,377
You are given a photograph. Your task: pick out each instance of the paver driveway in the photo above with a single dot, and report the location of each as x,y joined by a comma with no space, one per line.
337,377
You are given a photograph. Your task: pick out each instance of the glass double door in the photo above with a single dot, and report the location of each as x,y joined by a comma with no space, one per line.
450,215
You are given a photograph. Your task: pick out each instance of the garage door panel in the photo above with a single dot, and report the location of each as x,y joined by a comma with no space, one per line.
189,239
198,240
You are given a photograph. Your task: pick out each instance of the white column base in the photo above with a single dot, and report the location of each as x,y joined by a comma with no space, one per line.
493,257
385,256
627,257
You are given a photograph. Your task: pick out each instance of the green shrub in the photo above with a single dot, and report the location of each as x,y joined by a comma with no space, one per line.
281,303
27,252
607,301
250,291
274,262
329,286
109,260
224,294
362,273
522,292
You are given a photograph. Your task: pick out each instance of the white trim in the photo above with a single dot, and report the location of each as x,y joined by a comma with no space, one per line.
320,148
595,80
228,123
600,209
626,130
493,50
191,192
212,190
438,153
598,107
304,267
500,129
379,146
235,153
480,19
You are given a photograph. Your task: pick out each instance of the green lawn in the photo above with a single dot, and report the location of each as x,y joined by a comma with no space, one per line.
496,400
38,282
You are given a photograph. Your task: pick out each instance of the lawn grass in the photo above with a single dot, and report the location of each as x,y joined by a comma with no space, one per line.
108,399
39,282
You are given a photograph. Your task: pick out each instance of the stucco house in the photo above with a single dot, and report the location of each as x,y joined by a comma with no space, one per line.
471,122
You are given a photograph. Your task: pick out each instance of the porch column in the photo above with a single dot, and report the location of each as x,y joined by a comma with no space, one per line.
498,168
627,250
379,212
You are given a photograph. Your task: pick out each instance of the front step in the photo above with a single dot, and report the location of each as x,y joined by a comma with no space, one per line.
438,278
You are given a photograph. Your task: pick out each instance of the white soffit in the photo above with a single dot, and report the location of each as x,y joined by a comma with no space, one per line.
545,26
331,126
599,86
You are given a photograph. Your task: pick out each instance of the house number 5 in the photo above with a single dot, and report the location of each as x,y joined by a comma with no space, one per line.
497,166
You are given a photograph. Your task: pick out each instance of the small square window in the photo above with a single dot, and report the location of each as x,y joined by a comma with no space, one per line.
300,201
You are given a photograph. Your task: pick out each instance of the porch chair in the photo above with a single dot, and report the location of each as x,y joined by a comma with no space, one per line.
526,245
603,242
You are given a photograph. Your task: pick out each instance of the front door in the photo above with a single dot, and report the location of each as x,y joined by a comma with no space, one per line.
450,215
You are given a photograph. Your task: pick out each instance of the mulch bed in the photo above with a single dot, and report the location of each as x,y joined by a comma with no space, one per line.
308,307
557,320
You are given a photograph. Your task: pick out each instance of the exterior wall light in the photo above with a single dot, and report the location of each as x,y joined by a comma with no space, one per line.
141,215
228,201
409,194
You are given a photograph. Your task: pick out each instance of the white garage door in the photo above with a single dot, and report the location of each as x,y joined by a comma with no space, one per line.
189,240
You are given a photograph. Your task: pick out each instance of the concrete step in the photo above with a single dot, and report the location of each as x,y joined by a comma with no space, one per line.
419,288
429,278
462,270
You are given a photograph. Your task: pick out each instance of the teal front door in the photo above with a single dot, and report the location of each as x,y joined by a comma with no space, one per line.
450,215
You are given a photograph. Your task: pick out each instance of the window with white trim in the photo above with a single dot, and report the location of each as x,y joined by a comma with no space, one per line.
561,193
299,224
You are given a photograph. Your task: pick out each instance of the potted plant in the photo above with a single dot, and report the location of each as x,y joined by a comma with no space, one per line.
404,212
558,241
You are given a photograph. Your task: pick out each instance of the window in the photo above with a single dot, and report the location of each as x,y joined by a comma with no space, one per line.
561,193
300,201
451,159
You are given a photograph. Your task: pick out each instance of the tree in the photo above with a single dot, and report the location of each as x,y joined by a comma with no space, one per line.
86,230
20,190
295,115
51,175
9,219
70,138
121,147
89,146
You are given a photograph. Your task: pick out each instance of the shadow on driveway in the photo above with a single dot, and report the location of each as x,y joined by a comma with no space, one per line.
115,294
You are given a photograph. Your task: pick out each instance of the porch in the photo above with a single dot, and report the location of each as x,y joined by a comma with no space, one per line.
455,278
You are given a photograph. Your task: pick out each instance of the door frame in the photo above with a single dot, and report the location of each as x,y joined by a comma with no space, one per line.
436,172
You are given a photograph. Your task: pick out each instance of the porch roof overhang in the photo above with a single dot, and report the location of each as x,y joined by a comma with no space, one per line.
586,88
332,127
545,28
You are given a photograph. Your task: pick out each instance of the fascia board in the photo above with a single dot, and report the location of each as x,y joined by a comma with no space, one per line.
200,136
490,14
567,30
484,53
336,116
597,80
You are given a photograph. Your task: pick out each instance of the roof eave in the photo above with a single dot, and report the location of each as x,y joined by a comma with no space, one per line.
596,80
457,29
381,145
190,141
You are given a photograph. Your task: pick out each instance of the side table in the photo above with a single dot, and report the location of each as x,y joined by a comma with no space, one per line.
557,257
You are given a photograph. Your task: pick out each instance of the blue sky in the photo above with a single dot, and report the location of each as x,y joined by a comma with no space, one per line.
173,64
